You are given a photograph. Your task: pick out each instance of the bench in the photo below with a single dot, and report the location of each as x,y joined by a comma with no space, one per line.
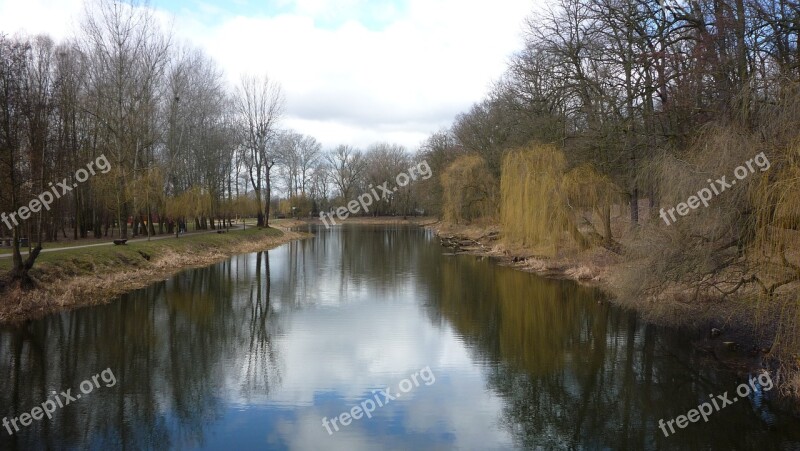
6,242
120,242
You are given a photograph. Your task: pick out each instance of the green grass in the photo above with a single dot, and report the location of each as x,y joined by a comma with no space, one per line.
79,261
59,244
66,244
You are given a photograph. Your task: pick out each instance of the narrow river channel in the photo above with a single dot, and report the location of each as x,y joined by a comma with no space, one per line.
367,338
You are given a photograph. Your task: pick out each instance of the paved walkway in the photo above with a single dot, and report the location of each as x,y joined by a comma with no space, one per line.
111,243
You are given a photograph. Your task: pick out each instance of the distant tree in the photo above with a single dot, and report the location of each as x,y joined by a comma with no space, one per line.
347,167
470,190
128,55
259,105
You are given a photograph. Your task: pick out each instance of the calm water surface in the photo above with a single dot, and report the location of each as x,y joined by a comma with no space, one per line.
254,352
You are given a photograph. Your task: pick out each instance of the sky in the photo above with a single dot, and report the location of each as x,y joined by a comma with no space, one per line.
353,71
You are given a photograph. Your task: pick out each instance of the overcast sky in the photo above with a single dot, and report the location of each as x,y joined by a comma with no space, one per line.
353,71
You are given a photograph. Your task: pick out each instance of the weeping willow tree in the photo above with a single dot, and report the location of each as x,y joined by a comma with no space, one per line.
776,202
541,201
587,190
470,190
192,203
244,206
147,191
772,251
532,207
741,249
775,256
296,206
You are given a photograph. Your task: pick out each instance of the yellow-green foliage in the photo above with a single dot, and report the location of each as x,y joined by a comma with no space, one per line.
147,189
540,200
470,191
532,207
588,189
244,206
302,204
192,203
777,203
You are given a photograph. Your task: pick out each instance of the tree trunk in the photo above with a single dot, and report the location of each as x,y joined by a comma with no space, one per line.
605,216
269,196
20,270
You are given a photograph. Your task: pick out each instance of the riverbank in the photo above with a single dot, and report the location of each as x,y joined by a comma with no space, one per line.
724,329
76,278
378,220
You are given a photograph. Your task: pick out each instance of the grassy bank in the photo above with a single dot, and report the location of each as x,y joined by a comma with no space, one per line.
82,277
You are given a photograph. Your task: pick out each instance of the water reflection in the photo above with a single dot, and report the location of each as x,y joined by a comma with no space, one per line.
575,372
255,351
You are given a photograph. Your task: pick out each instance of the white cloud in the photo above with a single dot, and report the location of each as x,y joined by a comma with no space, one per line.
375,335
353,82
58,18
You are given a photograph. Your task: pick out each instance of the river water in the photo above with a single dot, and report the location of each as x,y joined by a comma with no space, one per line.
440,352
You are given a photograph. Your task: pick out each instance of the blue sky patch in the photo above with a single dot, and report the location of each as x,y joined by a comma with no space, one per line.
327,14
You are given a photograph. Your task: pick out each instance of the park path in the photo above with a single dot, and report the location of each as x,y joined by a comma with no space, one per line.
111,243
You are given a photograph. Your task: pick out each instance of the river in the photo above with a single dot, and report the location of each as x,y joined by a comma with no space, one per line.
363,338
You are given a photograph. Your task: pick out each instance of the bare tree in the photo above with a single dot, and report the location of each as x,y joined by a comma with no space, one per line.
128,54
383,162
259,103
200,143
347,166
13,67
298,156
320,184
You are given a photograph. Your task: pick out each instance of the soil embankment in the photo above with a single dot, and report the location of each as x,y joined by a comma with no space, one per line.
75,278
69,278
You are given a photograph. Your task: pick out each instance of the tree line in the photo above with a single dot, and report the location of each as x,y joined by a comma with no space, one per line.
182,145
615,109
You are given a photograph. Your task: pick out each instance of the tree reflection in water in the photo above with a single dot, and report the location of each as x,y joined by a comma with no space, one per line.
171,347
555,367
575,372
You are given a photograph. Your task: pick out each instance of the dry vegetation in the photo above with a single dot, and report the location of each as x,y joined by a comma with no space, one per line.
541,200
733,266
469,190
616,109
